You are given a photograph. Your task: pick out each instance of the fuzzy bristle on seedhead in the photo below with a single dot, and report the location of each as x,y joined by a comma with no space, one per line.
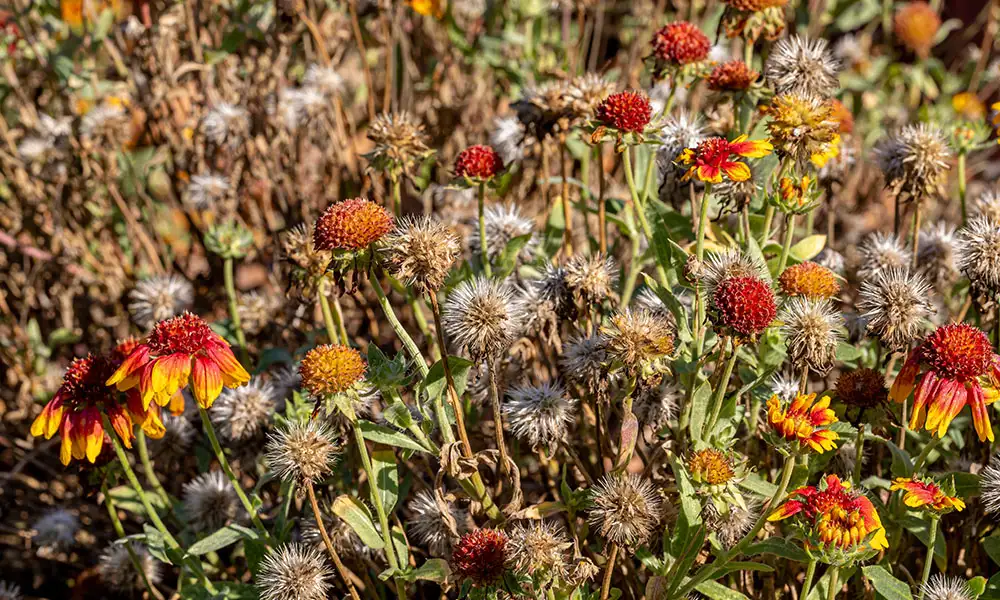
657,405
504,223
210,501
159,298
936,256
730,527
421,251
301,451
785,387
294,572
400,142
636,338
943,587
540,549
429,524
584,362
989,487
881,252
914,161
591,279
894,305
988,205
540,415
800,65
624,509
813,330
118,572
481,316
979,253
56,528
241,413
731,262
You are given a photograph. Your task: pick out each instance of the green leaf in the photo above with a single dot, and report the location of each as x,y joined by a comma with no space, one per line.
505,264
920,527
386,478
389,437
398,414
778,547
356,515
848,352
902,464
126,499
699,407
977,585
717,591
734,566
755,483
433,569
435,383
220,538
885,584
155,544
992,547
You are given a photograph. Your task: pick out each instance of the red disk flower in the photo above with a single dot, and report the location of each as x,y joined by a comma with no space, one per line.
744,304
479,163
180,348
926,494
351,225
962,370
628,112
680,43
712,158
481,556
804,421
78,405
835,516
732,76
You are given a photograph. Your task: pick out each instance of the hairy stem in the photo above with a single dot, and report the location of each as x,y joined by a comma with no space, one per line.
807,582
333,320
929,558
720,392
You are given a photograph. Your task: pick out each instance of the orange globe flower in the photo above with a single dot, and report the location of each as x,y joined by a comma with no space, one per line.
352,225
804,421
712,158
179,349
962,370
835,517
927,495
810,280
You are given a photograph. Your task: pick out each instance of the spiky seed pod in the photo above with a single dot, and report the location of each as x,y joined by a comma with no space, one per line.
744,305
540,415
979,254
802,127
587,92
627,112
421,251
353,224
638,340
297,246
799,65
785,387
239,414
400,142
936,256
916,25
225,122
542,303
647,300
732,76
429,527
56,529
833,260
657,405
988,205
584,362
680,43
508,138
210,502
809,280
504,223
540,549
915,162
482,318
894,304
943,587
206,190
731,527
10,591
679,131
989,487
294,572
177,438
731,262
159,298
257,310
118,573
481,556
813,330
590,279
301,451
331,369
624,509
881,252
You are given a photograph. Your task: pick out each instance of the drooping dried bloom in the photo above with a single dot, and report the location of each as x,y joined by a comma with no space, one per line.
942,587
225,122
118,572
881,252
331,369
916,25
805,421
400,143
481,556
540,549
624,509
894,305
301,451
680,43
242,413
712,158
926,494
539,415
799,65
731,262
504,223
590,279
546,108
835,517
210,502
428,523
743,305
584,362
353,224
962,369
57,528
159,298
542,303
803,129
478,163
421,251
627,112
914,161
294,572
979,253
812,328
809,280
732,76
482,318
936,256
655,406
639,340
989,486
587,92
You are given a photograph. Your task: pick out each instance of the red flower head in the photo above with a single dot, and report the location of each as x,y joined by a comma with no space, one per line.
927,495
680,43
711,159
962,370
744,304
180,348
835,516
481,556
628,112
732,76
351,225
479,163
77,407
804,421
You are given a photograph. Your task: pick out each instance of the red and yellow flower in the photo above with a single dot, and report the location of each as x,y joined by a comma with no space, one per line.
712,158
804,421
835,516
962,370
928,495
180,349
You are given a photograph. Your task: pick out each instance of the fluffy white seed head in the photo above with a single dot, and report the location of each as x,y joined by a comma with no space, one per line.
118,573
159,298
294,572
540,415
210,501
894,306
799,65
481,317
239,414
624,509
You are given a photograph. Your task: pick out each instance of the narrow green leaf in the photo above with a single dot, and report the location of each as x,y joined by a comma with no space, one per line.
886,585
699,409
433,569
716,591
356,515
505,264
220,538
389,437
386,478
778,547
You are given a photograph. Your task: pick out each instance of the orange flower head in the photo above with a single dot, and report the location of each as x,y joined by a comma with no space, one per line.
732,76
628,112
481,556
968,106
712,158
916,25
351,225
745,305
804,421
842,116
331,369
478,163
962,370
710,466
835,517
810,280
180,349
680,43
918,493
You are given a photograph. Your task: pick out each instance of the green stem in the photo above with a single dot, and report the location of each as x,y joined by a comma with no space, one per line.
333,321
484,251
109,503
397,327
234,310
720,391
831,592
647,183
807,583
962,186
699,248
765,233
929,558
206,424
922,457
397,197
633,274
787,246
640,213
859,454
147,468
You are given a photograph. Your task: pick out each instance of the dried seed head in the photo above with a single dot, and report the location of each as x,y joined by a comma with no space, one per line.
118,573
482,318
481,556
294,572
812,328
299,106
504,223
540,549
303,451
800,65
421,251
239,414
56,529
988,205
894,305
10,591
326,79
730,527
508,138
400,142
657,405
539,415
680,131
297,246
731,262
584,362
206,190
638,339
942,587
624,509
353,224
225,123
344,539
785,387
257,310
331,369
159,298
831,259
591,279
881,252
914,162
587,92
429,526
979,253
809,280
732,76
989,487
210,501
936,256
177,438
